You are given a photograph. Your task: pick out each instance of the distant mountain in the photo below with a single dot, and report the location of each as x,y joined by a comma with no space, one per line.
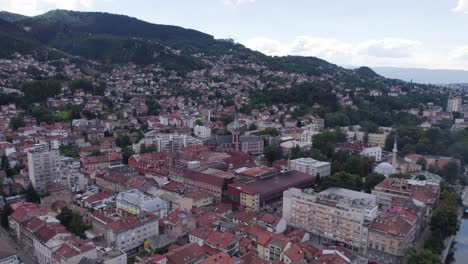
11,17
424,75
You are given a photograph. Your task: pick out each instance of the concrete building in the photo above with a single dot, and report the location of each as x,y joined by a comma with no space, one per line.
454,104
391,188
335,215
124,231
167,142
392,234
43,165
202,131
311,166
373,139
134,201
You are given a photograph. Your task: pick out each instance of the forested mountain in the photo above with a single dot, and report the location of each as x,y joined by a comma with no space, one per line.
109,39
11,17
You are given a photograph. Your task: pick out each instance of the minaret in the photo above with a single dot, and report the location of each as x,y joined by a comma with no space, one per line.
395,151
235,133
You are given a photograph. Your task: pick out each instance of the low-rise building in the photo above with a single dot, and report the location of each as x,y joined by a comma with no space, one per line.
134,202
311,166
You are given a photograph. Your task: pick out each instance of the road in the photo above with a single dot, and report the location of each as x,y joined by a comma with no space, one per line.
26,257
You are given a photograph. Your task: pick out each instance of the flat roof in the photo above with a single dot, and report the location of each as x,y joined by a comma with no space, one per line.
275,184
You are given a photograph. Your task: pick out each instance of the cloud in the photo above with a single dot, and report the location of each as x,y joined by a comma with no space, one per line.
462,6
319,47
336,50
460,54
380,52
36,7
326,48
266,45
237,2
388,48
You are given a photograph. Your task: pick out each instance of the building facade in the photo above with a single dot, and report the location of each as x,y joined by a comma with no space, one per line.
44,167
336,214
311,166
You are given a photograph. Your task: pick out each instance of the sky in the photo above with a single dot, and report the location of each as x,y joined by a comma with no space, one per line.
399,33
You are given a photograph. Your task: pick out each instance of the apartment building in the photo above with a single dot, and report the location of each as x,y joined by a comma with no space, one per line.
123,230
44,167
336,214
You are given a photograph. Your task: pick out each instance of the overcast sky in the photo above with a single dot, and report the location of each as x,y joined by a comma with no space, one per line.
404,33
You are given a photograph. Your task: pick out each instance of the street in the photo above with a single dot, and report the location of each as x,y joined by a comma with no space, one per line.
26,257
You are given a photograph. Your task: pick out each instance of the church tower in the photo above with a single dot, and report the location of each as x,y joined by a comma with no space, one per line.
395,151
235,133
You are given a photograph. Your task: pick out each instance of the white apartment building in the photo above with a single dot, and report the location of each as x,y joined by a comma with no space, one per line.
202,131
310,166
44,167
135,201
336,214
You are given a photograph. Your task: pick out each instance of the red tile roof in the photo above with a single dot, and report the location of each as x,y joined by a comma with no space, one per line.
185,254
49,231
221,258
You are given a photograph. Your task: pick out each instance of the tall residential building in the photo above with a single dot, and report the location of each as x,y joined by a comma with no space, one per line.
43,165
454,104
334,215
310,166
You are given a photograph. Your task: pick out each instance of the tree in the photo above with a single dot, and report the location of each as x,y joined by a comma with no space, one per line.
296,152
401,176
6,211
423,257
252,126
123,141
31,195
127,152
270,131
450,172
299,123
272,152
198,122
16,122
423,162
69,151
372,180
4,164
342,180
72,221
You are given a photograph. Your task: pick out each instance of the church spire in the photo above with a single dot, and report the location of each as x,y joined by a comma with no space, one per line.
235,133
